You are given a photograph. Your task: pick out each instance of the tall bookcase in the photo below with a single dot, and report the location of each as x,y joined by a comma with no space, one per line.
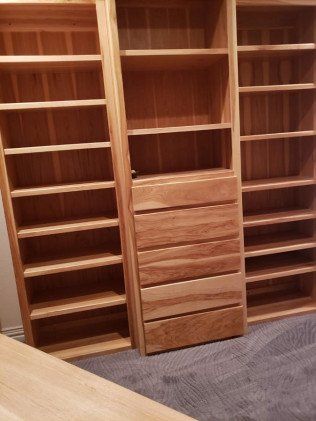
277,80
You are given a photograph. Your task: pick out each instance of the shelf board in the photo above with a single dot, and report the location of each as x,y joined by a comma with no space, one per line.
62,227
284,135
255,50
56,148
277,183
278,266
278,216
170,58
62,188
291,305
265,244
91,346
24,106
276,88
178,129
76,304
72,263
47,62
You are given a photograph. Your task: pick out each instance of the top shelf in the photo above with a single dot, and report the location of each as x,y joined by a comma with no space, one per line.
16,62
256,50
171,58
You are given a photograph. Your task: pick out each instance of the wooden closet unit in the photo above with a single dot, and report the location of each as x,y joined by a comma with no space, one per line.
158,168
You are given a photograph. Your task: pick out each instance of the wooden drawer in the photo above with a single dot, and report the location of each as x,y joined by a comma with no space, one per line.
189,262
186,225
193,329
185,193
191,296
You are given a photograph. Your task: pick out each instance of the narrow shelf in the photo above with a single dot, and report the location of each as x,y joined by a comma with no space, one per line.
63,188
73,263
62,227
283,306
284,135
76,304
274,48
278,216
93,345
261,245
276,88
278,266
56,148
14,63
178,129
170,58
277,183
24,106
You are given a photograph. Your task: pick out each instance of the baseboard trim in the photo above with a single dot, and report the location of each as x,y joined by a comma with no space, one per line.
16,333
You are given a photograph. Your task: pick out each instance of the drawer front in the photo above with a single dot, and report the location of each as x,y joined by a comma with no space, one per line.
188,193
193,329
188,262
191,296
186,225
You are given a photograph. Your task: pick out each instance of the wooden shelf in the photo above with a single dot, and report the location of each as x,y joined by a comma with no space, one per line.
178,129
14,63
62,227
57,148
276,88
291,305
271,136
76,304
277,183
63,188
70,264
278,216
91,346
171,58
265,244
278,266
254,50
24,106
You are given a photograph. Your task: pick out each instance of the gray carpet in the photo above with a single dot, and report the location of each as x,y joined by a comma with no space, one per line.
269,374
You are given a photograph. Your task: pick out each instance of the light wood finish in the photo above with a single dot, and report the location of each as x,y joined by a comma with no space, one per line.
186,225
178,129
193,329
47,62
57,148
248,49
276,88
184,193
24,106
277,183
87,395
277,217
189,261
191,296
271,136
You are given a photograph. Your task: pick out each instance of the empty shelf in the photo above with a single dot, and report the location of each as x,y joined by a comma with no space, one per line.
73,263
265,244
254,50
62,188
178,129
76,304
278,266
61,227
277,183
57,148
276,88
278,216
14,63
284,135
24,106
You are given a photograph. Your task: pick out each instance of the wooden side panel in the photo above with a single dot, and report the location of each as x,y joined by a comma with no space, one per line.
193,329
188,262
191,296
186,225
185,194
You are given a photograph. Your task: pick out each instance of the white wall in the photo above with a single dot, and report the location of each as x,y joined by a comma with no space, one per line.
10,317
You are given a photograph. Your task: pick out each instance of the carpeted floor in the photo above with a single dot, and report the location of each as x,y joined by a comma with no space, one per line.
269,374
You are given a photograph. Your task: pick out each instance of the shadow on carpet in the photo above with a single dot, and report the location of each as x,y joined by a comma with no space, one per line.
269,374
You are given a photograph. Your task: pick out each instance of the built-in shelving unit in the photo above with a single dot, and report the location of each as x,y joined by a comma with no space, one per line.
59,185
276,54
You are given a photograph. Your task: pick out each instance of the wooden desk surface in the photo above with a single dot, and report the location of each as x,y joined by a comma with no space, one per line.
36,386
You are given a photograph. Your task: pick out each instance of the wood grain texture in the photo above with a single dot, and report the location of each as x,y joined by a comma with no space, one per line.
191,296
188,262
193,329
186,225
184,194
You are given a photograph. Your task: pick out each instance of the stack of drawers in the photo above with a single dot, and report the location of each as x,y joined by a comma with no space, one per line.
187,231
